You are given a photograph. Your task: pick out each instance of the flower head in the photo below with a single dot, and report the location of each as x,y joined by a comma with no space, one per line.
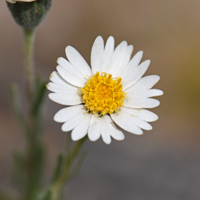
111,91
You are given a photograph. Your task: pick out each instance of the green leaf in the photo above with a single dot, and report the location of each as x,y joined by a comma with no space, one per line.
59,167
78,165
45,195
18,170
40,89
16,106
48,196
37,170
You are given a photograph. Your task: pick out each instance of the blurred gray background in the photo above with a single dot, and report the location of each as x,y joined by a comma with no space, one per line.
162,164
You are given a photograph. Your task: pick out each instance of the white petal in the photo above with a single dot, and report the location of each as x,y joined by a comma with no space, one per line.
64,94
106,136
117,60
63,99
70,124
146,82
68,94
107,55
128,55
97,54
138,102
142,124
126,60
76,119
132,120
56,78
126,121
138,95
105,127
117,134
128,75
109,128
77,61
81,129
134,62
135,74
153,92
94,131
144,114
68,113
143,93
72,76
63,89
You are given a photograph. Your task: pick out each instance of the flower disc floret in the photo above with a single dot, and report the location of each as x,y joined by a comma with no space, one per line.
103,94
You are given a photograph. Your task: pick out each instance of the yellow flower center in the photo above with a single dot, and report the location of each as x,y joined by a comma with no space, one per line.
103,94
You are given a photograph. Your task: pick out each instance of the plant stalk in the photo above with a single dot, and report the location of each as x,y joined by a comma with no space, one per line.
65,173
34,156
29,67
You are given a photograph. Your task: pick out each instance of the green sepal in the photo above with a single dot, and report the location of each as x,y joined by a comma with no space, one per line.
29,14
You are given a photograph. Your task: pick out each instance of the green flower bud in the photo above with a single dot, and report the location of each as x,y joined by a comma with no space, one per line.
29,13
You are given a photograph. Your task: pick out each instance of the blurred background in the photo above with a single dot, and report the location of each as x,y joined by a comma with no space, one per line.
161,164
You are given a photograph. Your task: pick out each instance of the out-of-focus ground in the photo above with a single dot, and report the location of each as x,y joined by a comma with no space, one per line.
163,163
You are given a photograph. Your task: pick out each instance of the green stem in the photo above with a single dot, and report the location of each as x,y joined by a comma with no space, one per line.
34,156
28,50
65,173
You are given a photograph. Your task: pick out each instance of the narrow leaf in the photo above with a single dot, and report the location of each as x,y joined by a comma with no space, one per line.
40,89
78,165
16,106
58,168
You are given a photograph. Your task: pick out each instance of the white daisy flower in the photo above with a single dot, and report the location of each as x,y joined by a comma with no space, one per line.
109,92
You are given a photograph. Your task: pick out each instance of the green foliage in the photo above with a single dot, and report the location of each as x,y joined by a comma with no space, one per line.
78,165
59,167
48,195
17,107
40,88
29,14
28,166
18,171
